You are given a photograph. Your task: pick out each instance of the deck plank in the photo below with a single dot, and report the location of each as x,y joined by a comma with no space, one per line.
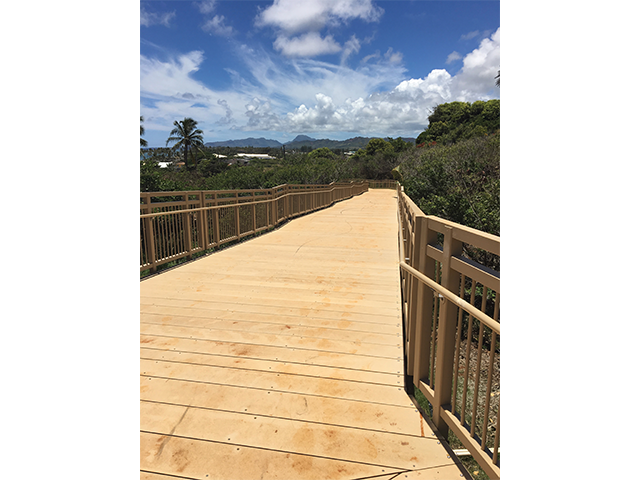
281,357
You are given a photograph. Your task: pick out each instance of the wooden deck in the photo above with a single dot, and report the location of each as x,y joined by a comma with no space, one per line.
282,358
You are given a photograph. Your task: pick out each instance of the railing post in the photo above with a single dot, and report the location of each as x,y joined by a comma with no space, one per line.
253,200
216,220
151,243
186,225
415,253
204,224
237,215
445,350
424,304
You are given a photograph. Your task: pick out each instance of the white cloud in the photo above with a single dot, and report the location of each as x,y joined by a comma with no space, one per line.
298,25
453,56
305,95
393,57
148,19
474,34
169,92
294,16
470,35
308,45
477,76
351,46
206,6
217,26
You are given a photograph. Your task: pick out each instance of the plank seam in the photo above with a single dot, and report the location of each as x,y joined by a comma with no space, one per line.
309,306
277,314
272,372
275,450
273,361
351,427
269,390
279,334
273,346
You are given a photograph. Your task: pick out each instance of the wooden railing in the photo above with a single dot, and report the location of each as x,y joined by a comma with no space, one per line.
451,297
175,225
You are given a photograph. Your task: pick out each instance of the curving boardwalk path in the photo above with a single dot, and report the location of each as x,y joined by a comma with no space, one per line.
282,358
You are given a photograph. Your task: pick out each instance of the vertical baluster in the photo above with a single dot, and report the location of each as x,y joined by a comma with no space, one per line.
468,355
456,366
478,365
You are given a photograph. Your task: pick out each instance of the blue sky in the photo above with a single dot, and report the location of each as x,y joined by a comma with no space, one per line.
325,68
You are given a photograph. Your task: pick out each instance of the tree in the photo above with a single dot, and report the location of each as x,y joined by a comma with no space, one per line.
187,136
143,142
322,152
452,122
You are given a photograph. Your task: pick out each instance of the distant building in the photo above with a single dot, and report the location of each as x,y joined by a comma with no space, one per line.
256,155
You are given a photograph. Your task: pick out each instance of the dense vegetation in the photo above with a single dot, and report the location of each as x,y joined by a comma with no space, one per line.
459,182
455,121
453,170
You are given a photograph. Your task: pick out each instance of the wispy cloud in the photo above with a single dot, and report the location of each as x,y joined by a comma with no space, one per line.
453,56
217,26
205,6
148,19
350,47
476,33
304,95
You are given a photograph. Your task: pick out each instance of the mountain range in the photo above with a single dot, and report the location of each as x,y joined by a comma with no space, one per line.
298,142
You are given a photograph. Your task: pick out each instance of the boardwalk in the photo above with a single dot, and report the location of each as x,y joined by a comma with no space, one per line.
282,358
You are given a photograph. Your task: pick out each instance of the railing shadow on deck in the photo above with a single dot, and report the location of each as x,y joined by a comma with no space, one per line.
178,225
451,299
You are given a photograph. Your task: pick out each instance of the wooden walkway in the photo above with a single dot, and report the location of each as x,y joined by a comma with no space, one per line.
282,358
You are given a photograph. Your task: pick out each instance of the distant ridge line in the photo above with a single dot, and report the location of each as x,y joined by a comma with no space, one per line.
298,142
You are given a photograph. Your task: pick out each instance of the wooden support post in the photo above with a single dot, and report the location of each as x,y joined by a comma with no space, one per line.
204,224
274,208
237,216
216,221
417,256
150,236
253,201
424,305
447,320
186,226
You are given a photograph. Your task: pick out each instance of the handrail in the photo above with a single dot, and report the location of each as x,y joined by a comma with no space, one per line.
439,334
213,207
177,231
483,317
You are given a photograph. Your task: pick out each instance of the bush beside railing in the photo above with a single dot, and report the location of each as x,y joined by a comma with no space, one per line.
451,306
175,225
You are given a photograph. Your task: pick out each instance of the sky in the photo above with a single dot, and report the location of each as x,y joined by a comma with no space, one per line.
324,68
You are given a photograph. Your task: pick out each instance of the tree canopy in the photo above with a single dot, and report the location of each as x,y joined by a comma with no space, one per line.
455,121
187,137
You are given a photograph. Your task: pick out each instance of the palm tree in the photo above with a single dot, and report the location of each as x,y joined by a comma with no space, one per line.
143,142
187,136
